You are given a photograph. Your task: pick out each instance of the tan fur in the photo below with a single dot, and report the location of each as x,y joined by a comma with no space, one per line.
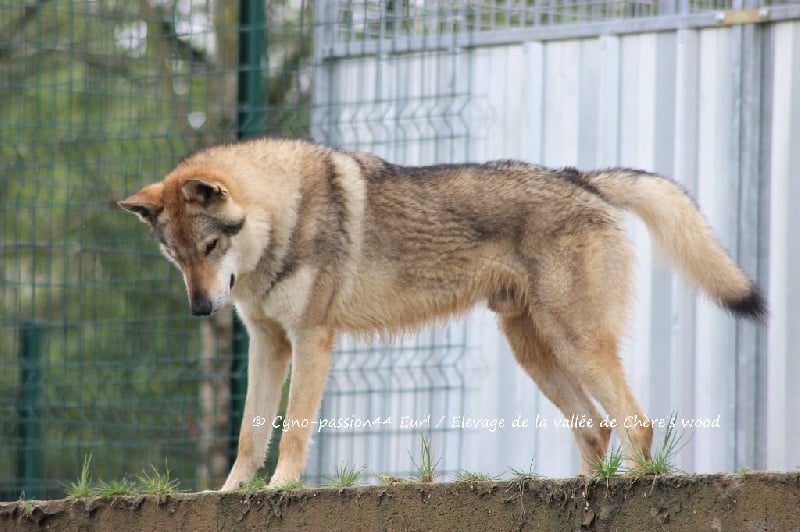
307,241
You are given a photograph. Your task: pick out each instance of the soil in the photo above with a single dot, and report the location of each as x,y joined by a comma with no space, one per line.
751,501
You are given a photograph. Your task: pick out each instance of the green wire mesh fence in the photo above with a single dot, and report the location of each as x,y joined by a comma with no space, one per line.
98,351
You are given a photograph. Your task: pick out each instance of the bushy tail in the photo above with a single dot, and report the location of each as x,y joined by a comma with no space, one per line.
683,235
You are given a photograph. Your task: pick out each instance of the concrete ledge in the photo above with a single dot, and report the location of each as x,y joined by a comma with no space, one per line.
751,501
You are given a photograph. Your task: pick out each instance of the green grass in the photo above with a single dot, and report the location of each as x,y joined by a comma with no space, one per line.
345,476
519,482
523,475
389,479
150,482
610,465
662,461
468,476
81,488
425,470
295,484
261,483
257,483
154,482
115,488
25,503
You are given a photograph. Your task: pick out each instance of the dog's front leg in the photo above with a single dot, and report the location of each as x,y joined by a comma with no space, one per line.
310,367
268,363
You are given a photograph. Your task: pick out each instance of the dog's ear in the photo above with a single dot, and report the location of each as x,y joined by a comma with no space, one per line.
146,203
204,191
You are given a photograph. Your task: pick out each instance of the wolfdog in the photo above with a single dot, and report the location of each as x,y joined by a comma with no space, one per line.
308,241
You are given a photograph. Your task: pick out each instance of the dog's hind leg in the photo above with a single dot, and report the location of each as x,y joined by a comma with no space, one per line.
600,369
591,355
268,364
311,356
536,357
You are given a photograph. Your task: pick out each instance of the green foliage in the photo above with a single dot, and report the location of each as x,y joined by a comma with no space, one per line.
389,479
82,487
425,470
345,475
155,482
261,483
662,461
524,475
257,483
468,476
151,481
519,482
119,487
609,466
25,504
295,484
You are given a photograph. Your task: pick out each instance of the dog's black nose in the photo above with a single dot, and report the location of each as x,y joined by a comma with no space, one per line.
201,306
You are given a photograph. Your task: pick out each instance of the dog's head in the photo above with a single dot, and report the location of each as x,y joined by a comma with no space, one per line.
197,223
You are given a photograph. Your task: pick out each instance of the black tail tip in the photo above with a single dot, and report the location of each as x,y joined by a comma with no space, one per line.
753,305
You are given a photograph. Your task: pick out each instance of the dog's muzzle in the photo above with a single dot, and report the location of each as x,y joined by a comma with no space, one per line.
201,306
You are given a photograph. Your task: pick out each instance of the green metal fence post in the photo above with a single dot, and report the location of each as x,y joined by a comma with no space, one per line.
250,123
252,47
29,454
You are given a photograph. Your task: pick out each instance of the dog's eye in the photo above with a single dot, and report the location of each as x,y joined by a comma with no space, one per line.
210,246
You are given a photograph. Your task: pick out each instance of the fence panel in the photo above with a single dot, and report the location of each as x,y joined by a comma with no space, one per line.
706,99
99,352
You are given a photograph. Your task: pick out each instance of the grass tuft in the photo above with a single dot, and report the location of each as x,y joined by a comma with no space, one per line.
345,476
115,488
609,466
261,483
519,482
150,482
662,461
81,488
295,484
155,482
468,476
257,483
25,503
389,479
523,475
425,470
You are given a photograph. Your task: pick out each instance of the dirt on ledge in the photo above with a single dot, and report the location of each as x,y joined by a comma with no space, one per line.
752,501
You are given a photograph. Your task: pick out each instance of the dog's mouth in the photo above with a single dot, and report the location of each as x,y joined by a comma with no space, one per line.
233,280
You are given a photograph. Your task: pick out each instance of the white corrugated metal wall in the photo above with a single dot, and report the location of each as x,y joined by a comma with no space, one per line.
718,109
